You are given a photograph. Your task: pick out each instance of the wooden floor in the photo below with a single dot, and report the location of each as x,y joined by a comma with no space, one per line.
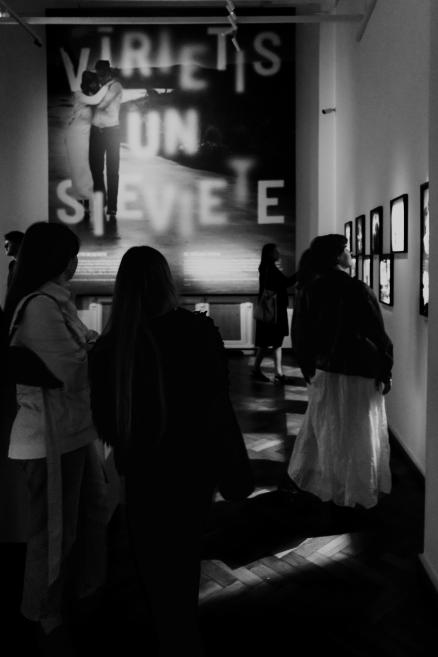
286,577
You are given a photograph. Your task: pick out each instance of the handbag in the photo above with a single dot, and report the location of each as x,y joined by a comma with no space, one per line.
266,307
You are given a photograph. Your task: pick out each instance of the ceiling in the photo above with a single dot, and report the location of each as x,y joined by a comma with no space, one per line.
291,11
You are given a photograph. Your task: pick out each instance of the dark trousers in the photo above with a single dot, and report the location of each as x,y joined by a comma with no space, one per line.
105,142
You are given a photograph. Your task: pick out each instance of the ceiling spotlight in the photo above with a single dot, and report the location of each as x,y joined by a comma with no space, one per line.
232,19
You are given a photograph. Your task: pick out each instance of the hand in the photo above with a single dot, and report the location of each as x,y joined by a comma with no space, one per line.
308,377
386,385
92,336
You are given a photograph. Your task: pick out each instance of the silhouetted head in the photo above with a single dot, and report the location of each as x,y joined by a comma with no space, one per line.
144,283
329,252
48,250
13,241
103,70
270,254
89,83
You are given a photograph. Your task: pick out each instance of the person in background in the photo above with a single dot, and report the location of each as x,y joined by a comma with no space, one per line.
13,240
341,452
77,136
159,390
104,151
272,335
53,436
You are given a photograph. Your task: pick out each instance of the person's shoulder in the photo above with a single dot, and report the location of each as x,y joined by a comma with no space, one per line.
197,325
361,287
38,302
116,84
195,318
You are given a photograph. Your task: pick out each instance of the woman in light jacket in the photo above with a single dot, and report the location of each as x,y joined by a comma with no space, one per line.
53,435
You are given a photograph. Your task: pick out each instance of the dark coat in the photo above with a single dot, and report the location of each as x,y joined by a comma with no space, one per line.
169,483
337,326
202,447
271,278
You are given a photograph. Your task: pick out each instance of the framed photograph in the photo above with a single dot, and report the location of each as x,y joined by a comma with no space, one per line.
353,268
348,232
360,234
367,275
359,268
399,224
376,230
386,279
424,249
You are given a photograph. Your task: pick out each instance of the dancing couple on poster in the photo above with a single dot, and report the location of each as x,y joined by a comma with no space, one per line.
93,137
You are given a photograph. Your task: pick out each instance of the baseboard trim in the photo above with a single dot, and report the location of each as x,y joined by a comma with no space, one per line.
407,452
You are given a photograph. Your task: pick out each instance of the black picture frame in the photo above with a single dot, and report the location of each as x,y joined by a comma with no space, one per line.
424,249
360,235
348,232
376,230
367,270
386,279
399,224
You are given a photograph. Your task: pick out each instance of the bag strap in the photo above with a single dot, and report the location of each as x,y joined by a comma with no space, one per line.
53,460
21,307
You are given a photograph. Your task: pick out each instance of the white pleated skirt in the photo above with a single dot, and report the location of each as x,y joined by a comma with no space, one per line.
341,452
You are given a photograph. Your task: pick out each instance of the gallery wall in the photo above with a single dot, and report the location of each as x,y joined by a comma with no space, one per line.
23,135
382,94
430,555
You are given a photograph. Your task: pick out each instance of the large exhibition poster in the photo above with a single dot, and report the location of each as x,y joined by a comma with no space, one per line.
188,138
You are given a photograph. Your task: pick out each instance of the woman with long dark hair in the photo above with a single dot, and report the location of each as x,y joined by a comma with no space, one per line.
52,435
271,335
160,398
341,453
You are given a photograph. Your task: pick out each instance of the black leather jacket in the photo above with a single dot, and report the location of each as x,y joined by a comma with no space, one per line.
337,326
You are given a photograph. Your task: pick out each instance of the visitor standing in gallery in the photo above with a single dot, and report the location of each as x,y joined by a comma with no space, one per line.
341,453
271,335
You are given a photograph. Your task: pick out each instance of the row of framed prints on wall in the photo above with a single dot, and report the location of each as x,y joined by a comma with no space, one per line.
363,250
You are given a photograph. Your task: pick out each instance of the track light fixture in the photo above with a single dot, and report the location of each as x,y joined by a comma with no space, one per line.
232,19
6,12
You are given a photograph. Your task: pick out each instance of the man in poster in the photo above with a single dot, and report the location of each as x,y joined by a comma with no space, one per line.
105,139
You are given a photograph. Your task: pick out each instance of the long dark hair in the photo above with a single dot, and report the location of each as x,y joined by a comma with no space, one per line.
44,254
144,289
269,255
306,269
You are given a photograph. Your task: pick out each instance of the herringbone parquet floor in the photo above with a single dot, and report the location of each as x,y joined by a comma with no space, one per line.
281,575
284,576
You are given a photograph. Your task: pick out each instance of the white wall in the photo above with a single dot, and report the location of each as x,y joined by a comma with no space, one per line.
430,556
382,93
307,134
23,135
315,133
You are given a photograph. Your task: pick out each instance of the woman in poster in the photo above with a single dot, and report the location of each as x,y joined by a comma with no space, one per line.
341,453
77,138
272,335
